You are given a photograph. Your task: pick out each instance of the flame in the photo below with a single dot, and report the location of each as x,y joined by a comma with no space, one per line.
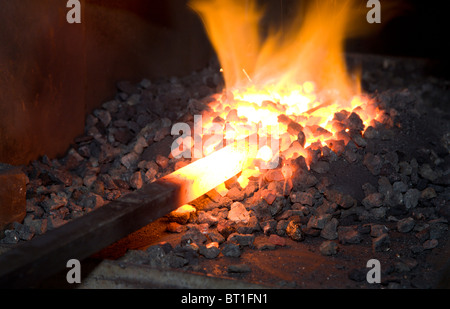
295,79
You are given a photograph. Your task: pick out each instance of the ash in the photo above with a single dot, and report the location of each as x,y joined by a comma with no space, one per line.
383,195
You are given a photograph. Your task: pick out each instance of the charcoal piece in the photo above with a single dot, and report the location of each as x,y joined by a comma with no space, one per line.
343,200
238,213
400,186
377,230
136,180
344,136
284,119
268,227
231,250
23,231
207,217
294,128
243,240
349,235
327,208
236,194
251,226
303,198
405,225
423,235
130,160
319,221
320,167
209,252
405,168
161,134
174,227
61,177
281,227
373,200
294,230
430,244
303,181
301,138
91,201
338,146
357,138
11,237
341,116
38,226
381,243
428,193
428,173
123,135
215,236
193,235
299,164
411,198
182,256
277,206
328,154
329,231
261,210
373,163
385,187
54,202
226,227
108,182
371,133
337,125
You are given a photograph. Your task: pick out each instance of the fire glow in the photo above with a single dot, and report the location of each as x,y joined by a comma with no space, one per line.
294,80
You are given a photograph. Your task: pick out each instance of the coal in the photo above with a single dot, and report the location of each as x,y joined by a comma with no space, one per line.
430,244
329,231
378,189
381,243
230,249
243,240
294,230
209,252
349,235
405,225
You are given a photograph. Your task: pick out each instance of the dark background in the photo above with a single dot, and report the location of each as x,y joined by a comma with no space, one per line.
409,28
421,29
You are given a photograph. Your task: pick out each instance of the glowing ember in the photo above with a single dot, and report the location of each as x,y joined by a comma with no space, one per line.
291,87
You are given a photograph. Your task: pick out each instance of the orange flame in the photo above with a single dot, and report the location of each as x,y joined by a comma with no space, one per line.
298,74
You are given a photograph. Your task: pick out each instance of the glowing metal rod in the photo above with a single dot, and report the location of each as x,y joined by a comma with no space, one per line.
31,262
205,174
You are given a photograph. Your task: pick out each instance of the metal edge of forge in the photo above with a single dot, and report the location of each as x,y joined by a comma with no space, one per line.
30,262
118,275
27,264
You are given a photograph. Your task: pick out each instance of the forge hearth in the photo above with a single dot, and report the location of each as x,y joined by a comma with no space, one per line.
283,162
384,198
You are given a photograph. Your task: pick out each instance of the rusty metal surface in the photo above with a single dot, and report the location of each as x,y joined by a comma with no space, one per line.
116,275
